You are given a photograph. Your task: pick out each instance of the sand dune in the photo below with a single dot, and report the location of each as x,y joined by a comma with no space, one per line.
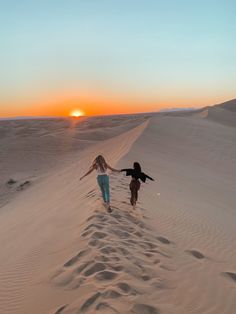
61,252
31,148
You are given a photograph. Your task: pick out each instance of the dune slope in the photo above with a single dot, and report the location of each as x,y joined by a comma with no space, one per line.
62,253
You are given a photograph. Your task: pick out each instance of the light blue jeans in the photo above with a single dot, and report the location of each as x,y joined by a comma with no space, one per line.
103,182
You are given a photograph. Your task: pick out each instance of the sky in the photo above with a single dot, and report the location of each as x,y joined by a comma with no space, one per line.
110,56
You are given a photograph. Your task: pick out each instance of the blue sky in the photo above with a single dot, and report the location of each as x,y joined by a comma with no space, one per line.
158,51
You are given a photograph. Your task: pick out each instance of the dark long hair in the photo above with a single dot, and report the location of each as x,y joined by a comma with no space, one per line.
137,167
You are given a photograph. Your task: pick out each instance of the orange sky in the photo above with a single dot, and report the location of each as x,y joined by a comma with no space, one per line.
58,56
61,103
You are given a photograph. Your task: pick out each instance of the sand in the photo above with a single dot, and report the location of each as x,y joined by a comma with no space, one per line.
32,148
61,252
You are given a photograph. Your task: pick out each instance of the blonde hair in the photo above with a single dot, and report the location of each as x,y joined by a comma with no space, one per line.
100,162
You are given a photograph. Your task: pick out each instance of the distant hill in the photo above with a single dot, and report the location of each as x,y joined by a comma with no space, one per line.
227,105
177,109
224,113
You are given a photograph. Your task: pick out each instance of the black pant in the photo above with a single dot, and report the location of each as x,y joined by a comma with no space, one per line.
134,187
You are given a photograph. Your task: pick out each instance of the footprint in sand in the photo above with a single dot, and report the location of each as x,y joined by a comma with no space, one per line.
23,185
108,250
157,261
116,268
99,235
102,258
144,309
97,267
103,306
120,233
84,234
138,234
148,254
230,275
145,278
196,254
96,226
91,217
89,302
106,275
110,239
59,311
124,287
83,266
94,242
102,218
112,294
76,258
123,251
149,245
163,240
114,258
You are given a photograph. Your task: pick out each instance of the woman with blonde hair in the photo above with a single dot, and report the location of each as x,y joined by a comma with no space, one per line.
101,166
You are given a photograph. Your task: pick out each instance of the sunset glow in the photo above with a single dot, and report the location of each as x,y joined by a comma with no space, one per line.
76,113
160,54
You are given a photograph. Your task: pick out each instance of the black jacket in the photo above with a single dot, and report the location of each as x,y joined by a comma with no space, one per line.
137,175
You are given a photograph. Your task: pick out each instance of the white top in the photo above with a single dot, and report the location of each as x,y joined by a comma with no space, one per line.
100,172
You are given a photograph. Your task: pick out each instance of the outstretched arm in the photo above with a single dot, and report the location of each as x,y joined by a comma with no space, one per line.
128,171
87,173
113,169
149,177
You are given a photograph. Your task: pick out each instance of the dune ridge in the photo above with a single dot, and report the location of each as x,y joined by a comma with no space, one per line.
175,254
41,222
31,149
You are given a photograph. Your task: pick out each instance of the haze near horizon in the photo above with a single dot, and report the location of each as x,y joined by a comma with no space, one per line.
108,57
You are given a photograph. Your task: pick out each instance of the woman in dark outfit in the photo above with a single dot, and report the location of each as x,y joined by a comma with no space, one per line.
136,174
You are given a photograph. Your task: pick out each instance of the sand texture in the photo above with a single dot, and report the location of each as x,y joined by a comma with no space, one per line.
63,253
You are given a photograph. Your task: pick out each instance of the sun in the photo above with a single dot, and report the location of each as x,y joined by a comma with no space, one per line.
76,113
